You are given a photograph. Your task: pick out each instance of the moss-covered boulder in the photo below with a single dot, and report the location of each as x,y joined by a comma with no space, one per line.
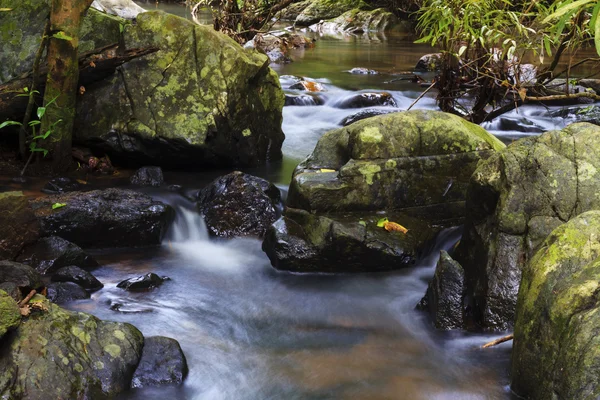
10,316
18,225
319,10
60,354
201,100
515,199
359,21
556,351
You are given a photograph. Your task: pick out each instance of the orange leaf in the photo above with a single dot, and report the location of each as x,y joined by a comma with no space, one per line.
394,227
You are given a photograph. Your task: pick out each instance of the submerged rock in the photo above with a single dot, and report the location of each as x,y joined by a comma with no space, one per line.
65,292
303,100
18,225
162,362
104,218
61,185
148,176
21,275
77,275
556,351
238,204
51,253
515,199
10,317
143,282
363,100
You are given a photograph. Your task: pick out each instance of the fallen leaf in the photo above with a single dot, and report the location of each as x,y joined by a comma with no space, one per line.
81,89
381,222
394,227
82,181
92,64
522,93
25,311
326,170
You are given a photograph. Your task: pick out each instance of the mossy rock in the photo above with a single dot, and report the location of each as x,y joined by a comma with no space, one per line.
556,351
515,199
360,21
319,10
10,317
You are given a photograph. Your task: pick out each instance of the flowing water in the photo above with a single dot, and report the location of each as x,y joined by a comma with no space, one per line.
251,332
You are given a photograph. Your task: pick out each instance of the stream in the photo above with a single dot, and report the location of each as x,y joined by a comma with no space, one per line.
251,332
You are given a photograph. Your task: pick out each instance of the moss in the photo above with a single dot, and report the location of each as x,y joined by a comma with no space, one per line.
10,317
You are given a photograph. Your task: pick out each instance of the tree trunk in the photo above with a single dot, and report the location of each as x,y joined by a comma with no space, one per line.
61,82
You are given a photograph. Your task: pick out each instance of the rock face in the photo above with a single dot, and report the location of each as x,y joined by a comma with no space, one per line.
239,204
104,218
201,100
162,363
444,297
10,317
319,10
148,176
77,275
123,8
51,253
68,355
23,276
358,21
18,225
515,199
556,345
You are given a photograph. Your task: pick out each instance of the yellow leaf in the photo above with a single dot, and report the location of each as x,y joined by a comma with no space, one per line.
394,227
522,93
326,170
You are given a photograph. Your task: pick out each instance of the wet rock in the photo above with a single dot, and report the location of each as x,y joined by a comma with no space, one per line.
148,176
104,218
18,225
10,317
12,290
277,56
239,204
429,63
589,114
309,86
65,292
143,282
319,10
444,296
23,276
276,45
61,185
303,100
358,21
363,114
123,8
519,125
51,253
291,12
362,71
515,199
162,363
126,307
77,275
556,351
370,99
593,84
68,355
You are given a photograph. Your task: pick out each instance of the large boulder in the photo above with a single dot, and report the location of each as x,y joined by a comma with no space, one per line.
68,355
515,199
358,21
10,316
18,225
104,218
77,275
65,292
23,276
201,100
162,362
319,10
556,350
238,204
51,253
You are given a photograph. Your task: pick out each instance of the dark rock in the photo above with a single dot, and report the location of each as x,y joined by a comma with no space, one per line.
519,125
77,275
444,296
143,282
363,100
589,114
238,204
10,317
126,307
556,347
163,362
51,253
303,100
148,176
18,225
12,290
68,355
65,292
593,84
429,63
25,277
61,185
309,86
362,71
104,218
363,114
515,199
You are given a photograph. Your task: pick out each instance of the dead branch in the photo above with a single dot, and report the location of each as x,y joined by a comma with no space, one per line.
498,341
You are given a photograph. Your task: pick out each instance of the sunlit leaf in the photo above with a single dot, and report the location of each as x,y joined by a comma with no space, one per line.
58,205
394,227
9,123
62,36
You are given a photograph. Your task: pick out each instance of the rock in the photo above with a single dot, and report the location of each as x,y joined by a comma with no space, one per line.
277,56
589,114
77,275
123,8
368,99
148,176
12,290
291,12
561,87
401,160
519,125
51,253
556,351
239,204
363,114
143,282
515,199
309,86
10,317
362,71
319,10
304,242
68,355
163,362
277,45
18,225
66,292
593,84
357,21
23,276
201,100
444,296
429,63
303,100
104,218
526,76
61,185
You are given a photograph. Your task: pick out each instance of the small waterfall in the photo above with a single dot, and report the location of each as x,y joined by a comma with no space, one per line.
187,226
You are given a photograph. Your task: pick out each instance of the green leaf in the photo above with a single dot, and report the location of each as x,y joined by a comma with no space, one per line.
35,122
62,36
40,112
597,27
382,222
363,223
58,205
562,10
9,123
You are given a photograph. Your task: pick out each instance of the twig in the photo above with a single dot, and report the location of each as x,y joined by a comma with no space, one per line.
421,95
563,97
498,341
23,302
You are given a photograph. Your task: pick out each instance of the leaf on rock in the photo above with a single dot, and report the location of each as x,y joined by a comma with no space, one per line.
58,205
394,227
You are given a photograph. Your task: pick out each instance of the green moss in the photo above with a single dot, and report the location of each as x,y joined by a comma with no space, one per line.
10,317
